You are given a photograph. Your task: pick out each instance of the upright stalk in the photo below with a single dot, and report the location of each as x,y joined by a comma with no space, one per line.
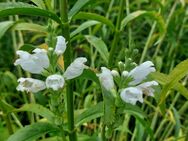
117,33
67,61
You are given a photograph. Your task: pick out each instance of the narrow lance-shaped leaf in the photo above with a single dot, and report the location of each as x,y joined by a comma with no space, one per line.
38,109
19,8
4,26
77,6
152,15
30,27
96,17
83,26
99,45
33,132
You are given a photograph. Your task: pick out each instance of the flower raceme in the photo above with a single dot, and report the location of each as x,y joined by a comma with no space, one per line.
135,92
37,62
57,81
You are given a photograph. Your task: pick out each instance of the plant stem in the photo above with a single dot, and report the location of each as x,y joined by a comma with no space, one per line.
117,33
67,61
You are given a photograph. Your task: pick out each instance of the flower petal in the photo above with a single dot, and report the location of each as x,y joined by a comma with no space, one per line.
140,72
60,45
147,87
41,57
131,95
55,82
106,78
33,63
76,68
30,85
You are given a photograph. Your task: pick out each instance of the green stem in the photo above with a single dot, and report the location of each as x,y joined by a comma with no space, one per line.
103,132
117,33
67,61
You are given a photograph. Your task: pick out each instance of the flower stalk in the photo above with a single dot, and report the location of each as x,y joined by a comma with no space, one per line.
67,61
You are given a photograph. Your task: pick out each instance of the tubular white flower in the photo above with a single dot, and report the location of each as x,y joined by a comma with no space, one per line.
131,95
55,82
60,45
76,68
140,72
147,87
106,78
33,63
30,85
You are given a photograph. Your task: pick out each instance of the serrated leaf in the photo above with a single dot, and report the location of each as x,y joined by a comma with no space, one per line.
99,45
20,8
77,6
34,131
4,26
30,27
38,109
152,15
83,26
96,17
90,114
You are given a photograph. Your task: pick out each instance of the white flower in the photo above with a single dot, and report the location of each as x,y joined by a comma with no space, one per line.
55,82
125,73
76,68
30,85
115,73
106,78
33,63
60,45
147,87
140,72
132,95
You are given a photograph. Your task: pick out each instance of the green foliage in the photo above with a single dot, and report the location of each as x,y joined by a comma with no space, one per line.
34,131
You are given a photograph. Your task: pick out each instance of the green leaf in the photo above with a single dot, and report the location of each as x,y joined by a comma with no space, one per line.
77,6
152,15
177,74
90,75
83,26
30,27
19,8
4,26
38,109
28,47
109,107
93,16
90,114
39,3
99,45
34,131
164,79
5,107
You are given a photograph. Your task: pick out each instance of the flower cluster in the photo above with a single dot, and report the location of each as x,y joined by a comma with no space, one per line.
135,89
38,62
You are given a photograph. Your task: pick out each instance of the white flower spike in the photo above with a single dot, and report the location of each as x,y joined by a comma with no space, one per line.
106,78
76,68
60,45
131,95
30,85
33,63
140,72
147,87
55,82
